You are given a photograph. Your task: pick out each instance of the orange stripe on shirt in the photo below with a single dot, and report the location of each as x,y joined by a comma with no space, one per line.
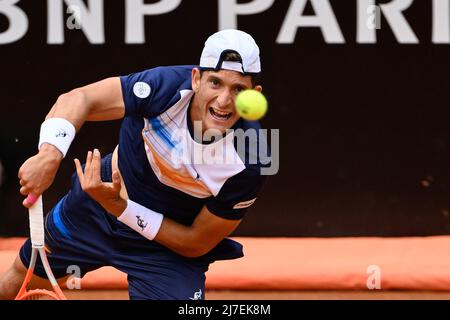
180,179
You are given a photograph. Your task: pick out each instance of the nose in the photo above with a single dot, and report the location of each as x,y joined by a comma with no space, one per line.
224,98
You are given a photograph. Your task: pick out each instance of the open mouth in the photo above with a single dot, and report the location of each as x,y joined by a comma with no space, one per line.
220,115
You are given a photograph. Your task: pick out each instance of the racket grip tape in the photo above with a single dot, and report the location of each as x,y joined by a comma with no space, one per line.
37,224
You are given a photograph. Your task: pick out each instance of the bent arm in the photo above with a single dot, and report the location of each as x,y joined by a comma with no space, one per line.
99,101
195,240
199,238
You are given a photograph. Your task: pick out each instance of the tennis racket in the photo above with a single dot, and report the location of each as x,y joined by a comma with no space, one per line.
37,245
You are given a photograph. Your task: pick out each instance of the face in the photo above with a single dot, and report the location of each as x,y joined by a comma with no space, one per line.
214,99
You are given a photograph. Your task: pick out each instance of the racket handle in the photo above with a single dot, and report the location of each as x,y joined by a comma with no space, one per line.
37,224
31,199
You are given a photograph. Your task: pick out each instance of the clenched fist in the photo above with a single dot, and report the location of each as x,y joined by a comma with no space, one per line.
38,172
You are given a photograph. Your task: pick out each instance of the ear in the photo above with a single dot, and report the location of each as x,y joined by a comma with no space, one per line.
195,79
258,88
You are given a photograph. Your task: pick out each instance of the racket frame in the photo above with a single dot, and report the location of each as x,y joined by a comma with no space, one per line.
38,248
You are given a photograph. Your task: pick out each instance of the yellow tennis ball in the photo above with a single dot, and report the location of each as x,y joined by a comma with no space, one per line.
251,104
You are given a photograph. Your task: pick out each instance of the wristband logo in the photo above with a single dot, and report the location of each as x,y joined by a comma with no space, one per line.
140,223
61,133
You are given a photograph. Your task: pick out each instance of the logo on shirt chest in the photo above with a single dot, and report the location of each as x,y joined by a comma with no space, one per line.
141,90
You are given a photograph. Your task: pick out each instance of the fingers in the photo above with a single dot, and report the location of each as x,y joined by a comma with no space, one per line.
26,204
95,166
87,165
25,191
91,177
28,191
79,171
116,180
92,166
115,177
31,192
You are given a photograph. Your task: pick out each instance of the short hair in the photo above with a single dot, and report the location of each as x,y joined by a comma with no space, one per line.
233,56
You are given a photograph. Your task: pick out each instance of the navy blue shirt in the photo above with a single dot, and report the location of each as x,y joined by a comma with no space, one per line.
159,160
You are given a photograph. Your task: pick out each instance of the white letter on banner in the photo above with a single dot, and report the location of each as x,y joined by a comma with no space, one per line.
441,21
229,10
136,10
18,21
400,27
91,20
324,19
364,34
55,24
393,14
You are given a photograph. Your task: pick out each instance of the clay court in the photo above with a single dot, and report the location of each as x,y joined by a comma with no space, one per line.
303,269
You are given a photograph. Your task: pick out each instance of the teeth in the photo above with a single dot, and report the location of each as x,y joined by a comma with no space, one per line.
220,113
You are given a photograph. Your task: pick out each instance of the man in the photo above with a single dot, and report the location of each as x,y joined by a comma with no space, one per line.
149,208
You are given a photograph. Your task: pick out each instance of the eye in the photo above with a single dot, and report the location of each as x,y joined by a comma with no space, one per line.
215,82
239,89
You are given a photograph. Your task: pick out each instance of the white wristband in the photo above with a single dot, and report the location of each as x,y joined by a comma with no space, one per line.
141,219
58,132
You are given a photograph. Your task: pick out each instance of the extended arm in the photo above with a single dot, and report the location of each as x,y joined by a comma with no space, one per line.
95,102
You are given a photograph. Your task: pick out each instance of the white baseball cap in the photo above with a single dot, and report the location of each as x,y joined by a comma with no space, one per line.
231,40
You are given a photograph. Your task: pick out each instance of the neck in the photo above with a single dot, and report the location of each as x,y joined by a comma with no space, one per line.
194,115
194,111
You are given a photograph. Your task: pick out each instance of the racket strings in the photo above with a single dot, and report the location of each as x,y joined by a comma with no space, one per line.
39,294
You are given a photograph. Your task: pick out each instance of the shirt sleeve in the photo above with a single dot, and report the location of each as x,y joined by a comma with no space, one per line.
236,195
148,93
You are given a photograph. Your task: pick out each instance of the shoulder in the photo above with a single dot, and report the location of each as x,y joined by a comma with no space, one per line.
172,73
168,81
152,91
161,77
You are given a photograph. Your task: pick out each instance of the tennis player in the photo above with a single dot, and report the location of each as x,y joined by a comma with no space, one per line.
151,208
